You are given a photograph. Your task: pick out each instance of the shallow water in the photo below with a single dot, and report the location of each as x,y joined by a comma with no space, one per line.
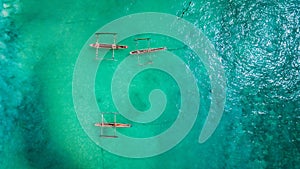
257,41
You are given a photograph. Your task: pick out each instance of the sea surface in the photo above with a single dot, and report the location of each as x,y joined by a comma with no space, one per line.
258,42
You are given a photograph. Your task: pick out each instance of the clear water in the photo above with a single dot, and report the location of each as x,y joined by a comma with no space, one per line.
258,42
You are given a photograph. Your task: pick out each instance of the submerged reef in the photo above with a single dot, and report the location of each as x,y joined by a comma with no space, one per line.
24,140
18,94
13,78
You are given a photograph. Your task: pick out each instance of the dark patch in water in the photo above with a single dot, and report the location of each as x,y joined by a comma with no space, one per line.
22,128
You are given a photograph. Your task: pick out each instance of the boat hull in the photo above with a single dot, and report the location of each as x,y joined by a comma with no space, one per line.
108,46
118,125
142,51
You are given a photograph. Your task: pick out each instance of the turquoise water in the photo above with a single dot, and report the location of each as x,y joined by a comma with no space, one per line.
258,42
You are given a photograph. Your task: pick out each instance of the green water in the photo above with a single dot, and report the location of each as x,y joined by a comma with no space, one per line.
258,42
